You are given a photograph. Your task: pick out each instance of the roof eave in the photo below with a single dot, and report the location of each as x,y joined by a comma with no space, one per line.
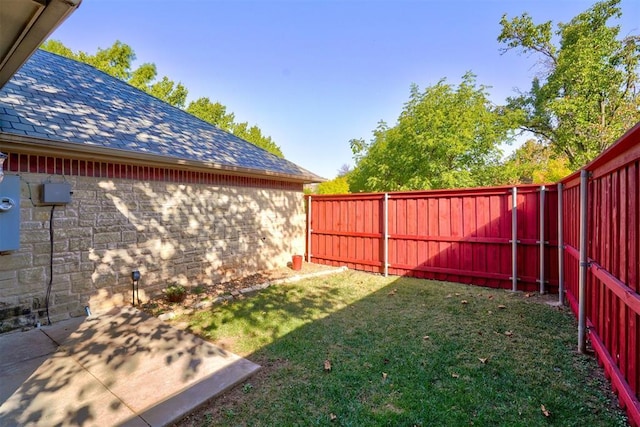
36,146
31,25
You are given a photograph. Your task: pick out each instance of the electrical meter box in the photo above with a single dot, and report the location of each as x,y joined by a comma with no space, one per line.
10,213
56,193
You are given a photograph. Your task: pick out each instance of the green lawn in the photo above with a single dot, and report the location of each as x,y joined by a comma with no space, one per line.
403,352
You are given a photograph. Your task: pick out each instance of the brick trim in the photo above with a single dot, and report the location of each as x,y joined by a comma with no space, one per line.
74,167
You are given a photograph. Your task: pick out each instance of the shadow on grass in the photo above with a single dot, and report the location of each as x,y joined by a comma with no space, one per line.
404,352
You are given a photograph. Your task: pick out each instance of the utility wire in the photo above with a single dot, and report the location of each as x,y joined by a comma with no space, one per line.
46,301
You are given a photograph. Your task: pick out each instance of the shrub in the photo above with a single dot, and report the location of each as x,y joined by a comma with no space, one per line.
175,293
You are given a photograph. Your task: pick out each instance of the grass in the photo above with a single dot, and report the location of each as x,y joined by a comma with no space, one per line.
403,352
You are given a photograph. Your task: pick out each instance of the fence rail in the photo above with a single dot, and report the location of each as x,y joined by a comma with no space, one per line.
612,267
464,235
508,237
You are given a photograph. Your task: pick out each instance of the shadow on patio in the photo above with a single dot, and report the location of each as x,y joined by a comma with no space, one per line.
119,367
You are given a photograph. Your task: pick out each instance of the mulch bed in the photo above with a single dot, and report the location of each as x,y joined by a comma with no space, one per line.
199,295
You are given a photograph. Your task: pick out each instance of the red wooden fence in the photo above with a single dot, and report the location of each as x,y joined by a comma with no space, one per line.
466,236
613,250
454,235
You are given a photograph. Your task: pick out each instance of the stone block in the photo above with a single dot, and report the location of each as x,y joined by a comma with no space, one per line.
104,281
81,194
109,237
25,213
105,223
10,288
30,225
64,223
41,214
9,274
79,243
41,259
81,285
45,248
64,268
80,275
61,282
65,298
67,233
86,266
15,261
31,275
34,236
89,208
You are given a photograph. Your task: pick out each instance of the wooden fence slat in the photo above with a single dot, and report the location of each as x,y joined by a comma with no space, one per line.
463,235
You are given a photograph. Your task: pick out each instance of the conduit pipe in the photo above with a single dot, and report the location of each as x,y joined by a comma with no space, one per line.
560,246
582,280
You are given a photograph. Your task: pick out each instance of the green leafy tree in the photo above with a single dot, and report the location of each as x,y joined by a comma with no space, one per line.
214,113
56,46
169,91
587,95
254,135
446,137
534,163
338,185
117,61
142,76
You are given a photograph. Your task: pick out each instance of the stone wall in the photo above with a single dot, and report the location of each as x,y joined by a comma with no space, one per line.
172,232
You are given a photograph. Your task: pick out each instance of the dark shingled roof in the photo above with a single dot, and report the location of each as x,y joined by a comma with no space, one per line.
59,99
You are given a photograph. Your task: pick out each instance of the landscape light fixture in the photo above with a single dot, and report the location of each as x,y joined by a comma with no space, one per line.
135,286
3,157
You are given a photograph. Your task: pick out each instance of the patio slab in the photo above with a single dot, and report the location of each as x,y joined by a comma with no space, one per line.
121,367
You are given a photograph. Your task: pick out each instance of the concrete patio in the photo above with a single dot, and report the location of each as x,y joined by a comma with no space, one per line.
121,367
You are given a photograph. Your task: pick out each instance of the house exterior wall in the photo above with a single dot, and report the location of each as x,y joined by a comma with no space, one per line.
179,227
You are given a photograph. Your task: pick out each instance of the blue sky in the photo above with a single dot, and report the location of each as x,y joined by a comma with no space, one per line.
314,74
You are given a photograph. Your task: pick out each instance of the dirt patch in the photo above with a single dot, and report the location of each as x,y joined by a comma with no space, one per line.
228,402
200,295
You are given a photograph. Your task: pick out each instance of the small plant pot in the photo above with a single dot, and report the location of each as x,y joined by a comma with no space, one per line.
296,262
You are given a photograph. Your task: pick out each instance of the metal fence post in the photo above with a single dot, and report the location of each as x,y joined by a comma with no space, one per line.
309,230
542,198
560,246
514,239
582,280
386,234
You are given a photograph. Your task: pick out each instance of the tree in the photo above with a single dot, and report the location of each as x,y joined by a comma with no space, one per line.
214,113
338,185
344,170
587,95
534,163
445,137
254,135
117,61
